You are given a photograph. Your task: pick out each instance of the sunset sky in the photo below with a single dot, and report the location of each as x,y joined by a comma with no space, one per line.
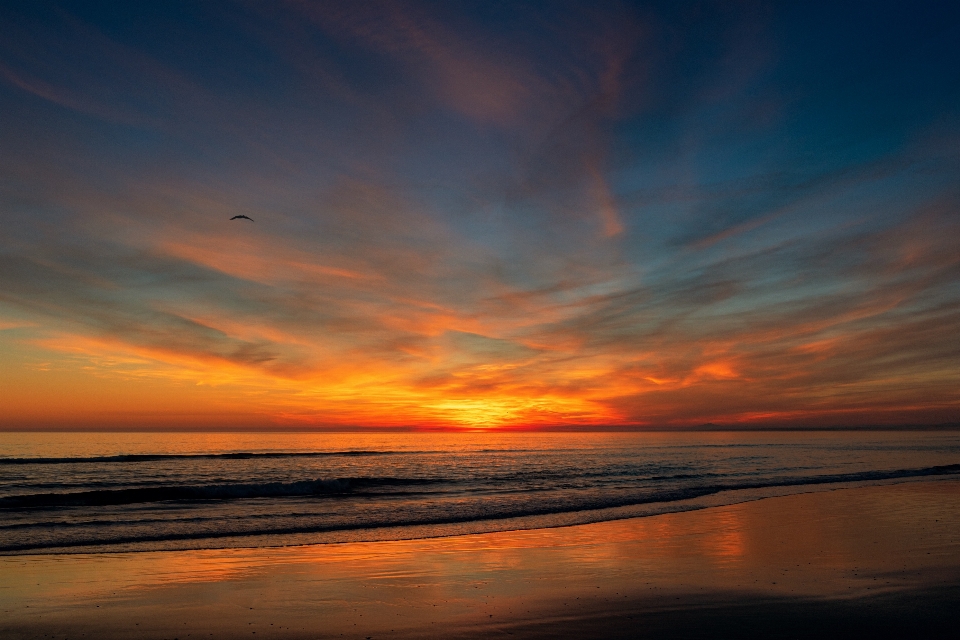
479,214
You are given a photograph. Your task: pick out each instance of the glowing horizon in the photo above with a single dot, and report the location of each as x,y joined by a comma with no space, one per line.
614,216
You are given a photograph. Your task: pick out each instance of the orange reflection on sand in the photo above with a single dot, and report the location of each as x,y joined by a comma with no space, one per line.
726,542
831,544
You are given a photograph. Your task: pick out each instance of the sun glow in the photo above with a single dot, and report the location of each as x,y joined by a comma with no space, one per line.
497,237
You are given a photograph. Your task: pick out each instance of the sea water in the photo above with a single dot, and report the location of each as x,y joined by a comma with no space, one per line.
103,492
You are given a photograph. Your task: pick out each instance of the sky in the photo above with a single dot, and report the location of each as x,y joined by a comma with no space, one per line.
479,215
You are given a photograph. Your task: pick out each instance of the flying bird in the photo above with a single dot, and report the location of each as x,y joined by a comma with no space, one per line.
242,216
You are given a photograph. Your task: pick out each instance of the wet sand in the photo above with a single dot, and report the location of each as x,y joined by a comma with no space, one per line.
880,561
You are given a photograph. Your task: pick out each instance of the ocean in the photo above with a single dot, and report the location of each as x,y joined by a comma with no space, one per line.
112,492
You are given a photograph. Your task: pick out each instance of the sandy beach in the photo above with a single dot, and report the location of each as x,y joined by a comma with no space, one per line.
861,562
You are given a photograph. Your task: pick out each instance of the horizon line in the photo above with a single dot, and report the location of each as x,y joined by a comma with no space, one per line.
702,428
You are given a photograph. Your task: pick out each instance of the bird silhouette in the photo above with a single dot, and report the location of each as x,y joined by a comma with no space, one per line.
242,216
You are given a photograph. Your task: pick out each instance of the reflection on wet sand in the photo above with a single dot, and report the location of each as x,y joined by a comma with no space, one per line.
844,544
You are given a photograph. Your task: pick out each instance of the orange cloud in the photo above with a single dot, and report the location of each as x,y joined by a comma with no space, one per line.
455,228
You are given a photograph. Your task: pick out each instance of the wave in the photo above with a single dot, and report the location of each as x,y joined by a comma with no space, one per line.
356,487
665,497
239,455
233,491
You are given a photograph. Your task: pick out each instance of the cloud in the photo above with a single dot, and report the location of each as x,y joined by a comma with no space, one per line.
625,216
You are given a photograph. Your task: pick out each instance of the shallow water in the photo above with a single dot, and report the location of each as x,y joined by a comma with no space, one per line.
115,492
